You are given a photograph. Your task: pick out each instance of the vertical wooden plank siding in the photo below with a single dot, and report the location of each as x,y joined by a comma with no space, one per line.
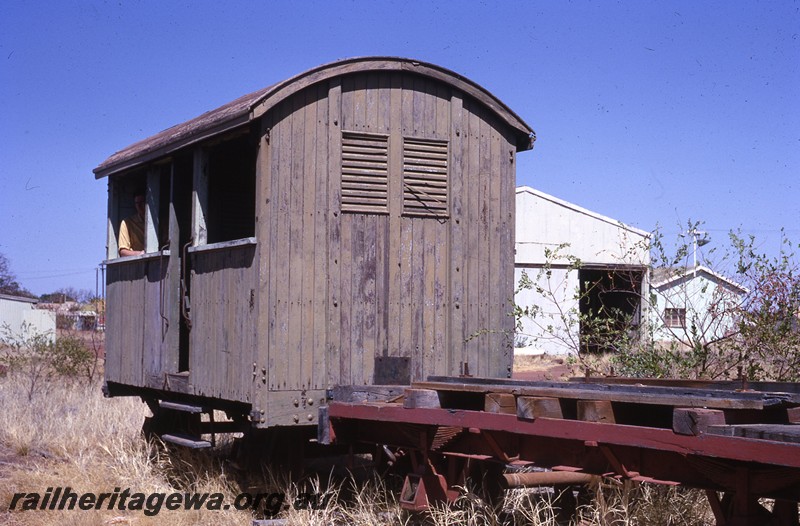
155,326
222,316
370,298
346,295
320,301
248,275
358,304
135,274
473,253
125,311
294,350
421,271
484,247
233,291
201,363
350,122
497,294
417,274
276,258
457,264
335,307
442,292
130,342
382,286
428,297
254,372
309,176
394,244
279,353
113,362
358,103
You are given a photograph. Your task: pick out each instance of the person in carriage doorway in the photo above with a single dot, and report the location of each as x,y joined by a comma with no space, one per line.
131,230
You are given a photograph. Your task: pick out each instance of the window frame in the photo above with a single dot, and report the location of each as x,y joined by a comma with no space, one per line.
675,317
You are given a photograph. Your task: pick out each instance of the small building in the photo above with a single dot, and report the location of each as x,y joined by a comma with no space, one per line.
577,262
71,315
693,303
20,317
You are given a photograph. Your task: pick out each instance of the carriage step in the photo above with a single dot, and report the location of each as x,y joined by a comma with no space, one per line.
186,441
186,408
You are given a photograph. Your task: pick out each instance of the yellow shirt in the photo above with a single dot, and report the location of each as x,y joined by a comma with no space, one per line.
131,233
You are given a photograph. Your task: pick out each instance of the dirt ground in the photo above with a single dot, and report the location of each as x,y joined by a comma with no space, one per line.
541,368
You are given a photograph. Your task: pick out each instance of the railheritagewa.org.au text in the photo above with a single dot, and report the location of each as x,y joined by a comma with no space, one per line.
65,498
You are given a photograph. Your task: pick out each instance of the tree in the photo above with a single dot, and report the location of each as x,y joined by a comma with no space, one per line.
65,294
8,281
770,317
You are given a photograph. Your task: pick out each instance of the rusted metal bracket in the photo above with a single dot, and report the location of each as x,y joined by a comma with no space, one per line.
425,486
494,446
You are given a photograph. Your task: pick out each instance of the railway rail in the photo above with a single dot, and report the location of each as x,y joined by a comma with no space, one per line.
738,441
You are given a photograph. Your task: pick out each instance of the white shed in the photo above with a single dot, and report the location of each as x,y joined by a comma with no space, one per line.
561,247
18,314
693,303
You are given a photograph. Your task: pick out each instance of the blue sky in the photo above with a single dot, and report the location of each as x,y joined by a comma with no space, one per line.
647,112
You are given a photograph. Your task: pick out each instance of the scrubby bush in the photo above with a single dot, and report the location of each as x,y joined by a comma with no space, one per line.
39,357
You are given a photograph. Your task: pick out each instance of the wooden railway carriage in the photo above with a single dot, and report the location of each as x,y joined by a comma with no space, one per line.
350,226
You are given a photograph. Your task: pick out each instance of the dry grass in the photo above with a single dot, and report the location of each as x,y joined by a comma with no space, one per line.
537,362
72,436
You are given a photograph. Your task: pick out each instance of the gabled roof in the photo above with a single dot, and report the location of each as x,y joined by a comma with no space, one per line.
581,210
249,107
667,277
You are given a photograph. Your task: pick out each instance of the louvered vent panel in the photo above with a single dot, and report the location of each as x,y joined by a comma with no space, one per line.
365,170
425,177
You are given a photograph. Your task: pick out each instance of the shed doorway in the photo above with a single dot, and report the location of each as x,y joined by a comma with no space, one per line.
610,306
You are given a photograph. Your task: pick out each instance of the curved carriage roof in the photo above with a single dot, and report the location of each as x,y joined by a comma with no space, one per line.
252,106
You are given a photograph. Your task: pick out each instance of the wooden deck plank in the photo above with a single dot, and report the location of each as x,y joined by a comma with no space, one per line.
728,385
629,394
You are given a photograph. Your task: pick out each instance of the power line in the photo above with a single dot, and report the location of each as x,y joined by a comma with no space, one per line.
56,275
82,269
